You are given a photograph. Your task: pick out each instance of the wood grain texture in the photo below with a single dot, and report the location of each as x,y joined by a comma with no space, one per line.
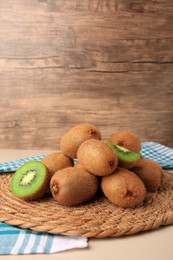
107,62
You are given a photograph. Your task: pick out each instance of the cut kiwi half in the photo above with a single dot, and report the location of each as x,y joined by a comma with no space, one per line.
30,181
123,153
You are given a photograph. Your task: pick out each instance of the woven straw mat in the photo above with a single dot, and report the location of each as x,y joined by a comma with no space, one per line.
97,218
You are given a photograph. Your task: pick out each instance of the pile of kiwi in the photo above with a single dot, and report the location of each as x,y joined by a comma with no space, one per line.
115,167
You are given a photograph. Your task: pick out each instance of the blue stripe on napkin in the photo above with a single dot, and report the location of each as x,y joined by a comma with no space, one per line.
159,153
16,241
12,166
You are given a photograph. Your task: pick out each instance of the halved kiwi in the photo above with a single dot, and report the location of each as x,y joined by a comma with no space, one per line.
30,181
126,158
123,153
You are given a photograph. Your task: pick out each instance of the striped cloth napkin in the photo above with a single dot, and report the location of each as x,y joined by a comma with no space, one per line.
20,241
16,241
159,153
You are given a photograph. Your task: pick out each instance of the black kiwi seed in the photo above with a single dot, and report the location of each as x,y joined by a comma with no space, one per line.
23,182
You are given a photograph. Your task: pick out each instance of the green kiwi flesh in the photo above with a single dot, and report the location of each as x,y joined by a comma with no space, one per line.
30,181
123,153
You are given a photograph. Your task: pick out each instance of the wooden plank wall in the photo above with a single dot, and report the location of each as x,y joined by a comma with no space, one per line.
107,62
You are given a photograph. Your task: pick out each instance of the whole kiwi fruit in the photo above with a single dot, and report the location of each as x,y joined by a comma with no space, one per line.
56,161
124,188
150,172
127,140
75,136
72,186
80,167
97,157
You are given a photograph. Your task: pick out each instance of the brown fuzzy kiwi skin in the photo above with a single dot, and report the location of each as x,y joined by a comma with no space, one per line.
97,157
126,164
56,161
72,186
127,140
80,167
39,193
124,188
75,136
150,172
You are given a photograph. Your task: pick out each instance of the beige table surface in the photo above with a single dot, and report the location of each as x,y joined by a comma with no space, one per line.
150,245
